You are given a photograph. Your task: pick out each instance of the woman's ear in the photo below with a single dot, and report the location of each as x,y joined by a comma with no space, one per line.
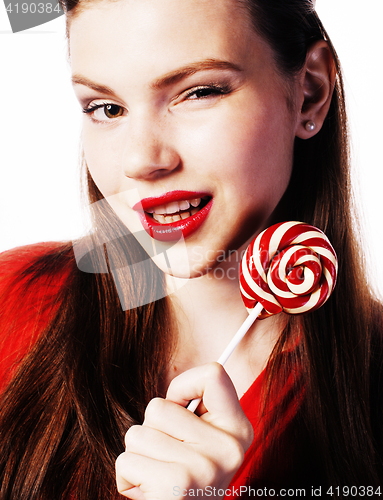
317,81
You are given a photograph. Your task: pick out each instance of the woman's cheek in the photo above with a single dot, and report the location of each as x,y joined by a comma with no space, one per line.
102,162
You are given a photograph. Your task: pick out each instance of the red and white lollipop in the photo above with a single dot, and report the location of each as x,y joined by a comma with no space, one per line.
289,267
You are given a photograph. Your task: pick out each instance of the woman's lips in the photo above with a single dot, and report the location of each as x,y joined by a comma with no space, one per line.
173,231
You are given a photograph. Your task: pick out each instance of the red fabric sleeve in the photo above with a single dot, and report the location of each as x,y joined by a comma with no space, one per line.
26,304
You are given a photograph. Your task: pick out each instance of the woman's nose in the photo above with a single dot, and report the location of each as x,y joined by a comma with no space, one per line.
149,152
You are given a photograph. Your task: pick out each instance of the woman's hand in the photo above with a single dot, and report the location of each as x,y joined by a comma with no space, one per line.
175,451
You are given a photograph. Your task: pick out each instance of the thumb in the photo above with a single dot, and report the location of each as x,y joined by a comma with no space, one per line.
213,385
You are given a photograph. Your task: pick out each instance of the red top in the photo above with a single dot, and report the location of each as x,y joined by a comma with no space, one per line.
26,306
26,310
289,396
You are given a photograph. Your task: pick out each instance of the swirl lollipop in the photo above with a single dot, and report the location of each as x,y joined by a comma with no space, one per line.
289,267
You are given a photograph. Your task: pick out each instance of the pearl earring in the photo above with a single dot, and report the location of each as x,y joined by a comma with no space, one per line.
310,126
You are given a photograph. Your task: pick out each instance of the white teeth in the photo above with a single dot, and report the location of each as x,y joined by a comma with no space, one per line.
158,210
170,208
174,211
184,205
168,219
174,207
159,218
195,202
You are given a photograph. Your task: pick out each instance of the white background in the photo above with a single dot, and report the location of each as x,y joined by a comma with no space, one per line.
40,127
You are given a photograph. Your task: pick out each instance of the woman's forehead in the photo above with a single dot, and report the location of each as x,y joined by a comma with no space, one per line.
164,34
174,17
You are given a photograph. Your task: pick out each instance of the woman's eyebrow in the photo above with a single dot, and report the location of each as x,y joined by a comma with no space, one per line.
166,80
102,89
181,73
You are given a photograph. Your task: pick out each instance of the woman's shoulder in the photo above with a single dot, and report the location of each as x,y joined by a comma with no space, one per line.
31,271
31,281
19,257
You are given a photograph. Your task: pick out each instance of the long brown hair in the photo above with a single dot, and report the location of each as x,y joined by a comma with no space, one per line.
95,367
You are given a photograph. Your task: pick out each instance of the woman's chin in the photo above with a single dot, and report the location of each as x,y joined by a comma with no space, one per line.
182,268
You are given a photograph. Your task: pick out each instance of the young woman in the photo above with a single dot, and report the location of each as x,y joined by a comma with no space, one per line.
204,123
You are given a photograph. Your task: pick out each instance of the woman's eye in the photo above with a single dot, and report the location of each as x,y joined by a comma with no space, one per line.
104,112
113,110
206,92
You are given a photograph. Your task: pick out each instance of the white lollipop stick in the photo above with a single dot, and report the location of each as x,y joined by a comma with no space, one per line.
240,334
192,406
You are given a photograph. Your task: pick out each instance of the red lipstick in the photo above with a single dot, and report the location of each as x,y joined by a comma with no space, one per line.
174,230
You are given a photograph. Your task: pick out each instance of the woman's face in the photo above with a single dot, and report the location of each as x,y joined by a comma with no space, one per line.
187,126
